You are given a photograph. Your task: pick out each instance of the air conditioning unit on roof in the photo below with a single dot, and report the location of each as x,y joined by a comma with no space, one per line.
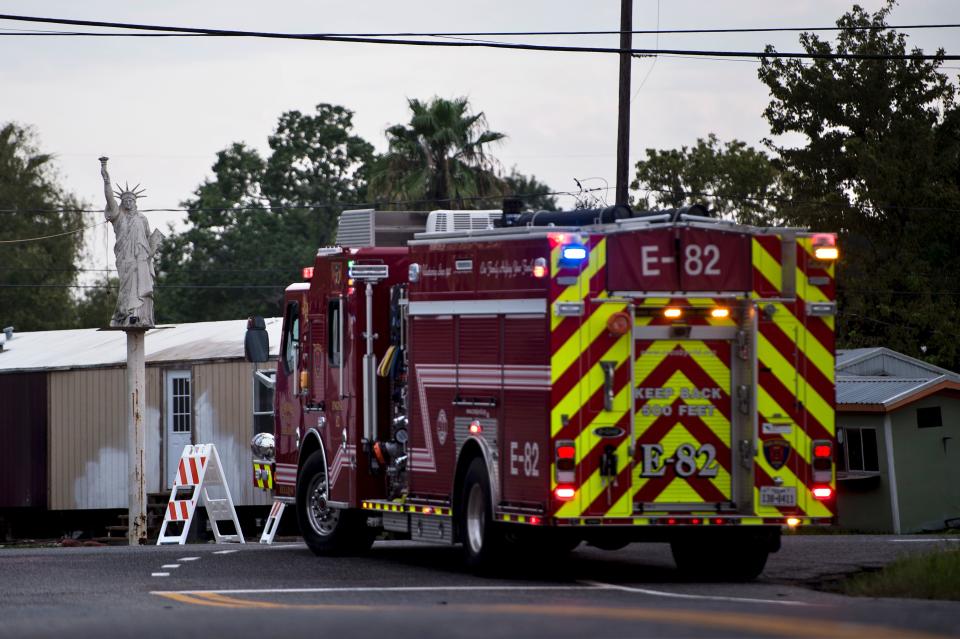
443,221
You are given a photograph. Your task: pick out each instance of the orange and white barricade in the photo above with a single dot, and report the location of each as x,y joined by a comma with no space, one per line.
200,474
273,522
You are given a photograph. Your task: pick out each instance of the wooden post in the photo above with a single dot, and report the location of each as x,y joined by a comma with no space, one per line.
136,410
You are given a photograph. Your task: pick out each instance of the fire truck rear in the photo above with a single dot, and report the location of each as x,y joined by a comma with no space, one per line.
510,380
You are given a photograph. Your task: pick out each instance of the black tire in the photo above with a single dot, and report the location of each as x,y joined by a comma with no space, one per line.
328,530
482,539
726,560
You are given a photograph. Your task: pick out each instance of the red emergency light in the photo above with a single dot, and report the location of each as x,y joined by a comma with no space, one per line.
308,272
564,493
822,492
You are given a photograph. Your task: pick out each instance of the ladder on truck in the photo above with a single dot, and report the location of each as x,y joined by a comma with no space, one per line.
199,474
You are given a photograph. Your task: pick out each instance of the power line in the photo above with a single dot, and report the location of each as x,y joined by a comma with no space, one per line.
450,34
475,44
49,237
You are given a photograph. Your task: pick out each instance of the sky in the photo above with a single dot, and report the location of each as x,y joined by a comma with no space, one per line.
161,108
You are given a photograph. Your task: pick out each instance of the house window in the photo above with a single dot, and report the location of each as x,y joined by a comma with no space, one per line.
263,385
929,417
858,450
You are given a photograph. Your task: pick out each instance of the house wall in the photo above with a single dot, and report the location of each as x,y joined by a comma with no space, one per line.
23,440
88,437
864,504
927,465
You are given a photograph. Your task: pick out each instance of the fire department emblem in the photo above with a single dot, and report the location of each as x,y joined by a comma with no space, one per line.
777,452
336,273
442,427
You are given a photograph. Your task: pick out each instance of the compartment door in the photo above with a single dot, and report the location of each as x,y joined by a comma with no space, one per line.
683,416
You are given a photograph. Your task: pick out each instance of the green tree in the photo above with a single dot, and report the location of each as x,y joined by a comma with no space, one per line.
35,277
878,162
258,221
440,159
95,307
733,179
535,194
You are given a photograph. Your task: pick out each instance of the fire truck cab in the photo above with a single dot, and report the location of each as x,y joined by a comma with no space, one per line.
534,380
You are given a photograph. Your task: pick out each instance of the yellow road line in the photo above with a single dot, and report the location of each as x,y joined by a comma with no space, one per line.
781,625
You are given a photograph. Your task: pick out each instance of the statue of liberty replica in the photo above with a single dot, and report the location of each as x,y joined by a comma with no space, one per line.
135,249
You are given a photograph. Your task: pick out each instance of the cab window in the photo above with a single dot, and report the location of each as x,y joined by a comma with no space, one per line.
291,337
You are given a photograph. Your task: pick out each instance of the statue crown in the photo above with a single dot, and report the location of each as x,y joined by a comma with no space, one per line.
136,191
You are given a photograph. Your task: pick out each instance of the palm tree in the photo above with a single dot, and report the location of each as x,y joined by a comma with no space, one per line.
439,160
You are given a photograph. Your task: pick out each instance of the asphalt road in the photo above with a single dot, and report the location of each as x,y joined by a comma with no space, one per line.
405,590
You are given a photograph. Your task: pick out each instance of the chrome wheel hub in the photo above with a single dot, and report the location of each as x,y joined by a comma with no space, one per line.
323,518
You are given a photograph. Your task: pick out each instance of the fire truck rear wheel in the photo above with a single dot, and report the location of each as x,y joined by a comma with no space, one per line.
722,560
478,531
328,530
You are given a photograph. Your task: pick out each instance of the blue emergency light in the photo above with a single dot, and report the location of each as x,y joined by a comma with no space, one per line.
573,253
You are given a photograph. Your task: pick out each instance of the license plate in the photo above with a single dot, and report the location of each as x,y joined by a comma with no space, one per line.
778,496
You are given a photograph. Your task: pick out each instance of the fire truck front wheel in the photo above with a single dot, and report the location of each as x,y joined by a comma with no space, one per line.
327,530
479,533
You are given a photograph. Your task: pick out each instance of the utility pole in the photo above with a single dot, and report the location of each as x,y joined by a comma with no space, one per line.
623,119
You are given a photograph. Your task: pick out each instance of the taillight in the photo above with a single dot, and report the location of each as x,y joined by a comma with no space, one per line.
565,466
822,492
822,468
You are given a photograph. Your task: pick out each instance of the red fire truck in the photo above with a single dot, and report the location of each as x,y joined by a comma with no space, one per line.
540,379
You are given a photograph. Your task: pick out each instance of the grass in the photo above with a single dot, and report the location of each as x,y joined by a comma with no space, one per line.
928,576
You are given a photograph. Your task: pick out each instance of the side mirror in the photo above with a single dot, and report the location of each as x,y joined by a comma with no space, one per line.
256,343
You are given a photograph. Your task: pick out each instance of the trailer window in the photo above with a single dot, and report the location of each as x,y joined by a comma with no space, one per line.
333,333
291,337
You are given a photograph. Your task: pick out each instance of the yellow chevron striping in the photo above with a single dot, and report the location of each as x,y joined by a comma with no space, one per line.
580,394
796,332
580,341
597,259
767,265
791,379
595,485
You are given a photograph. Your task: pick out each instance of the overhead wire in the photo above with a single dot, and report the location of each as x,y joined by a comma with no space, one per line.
475,44
577,32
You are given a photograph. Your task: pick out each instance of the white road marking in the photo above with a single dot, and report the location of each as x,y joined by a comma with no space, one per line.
188,559
224,552
168,566
159,574
265,591
905,541
681,595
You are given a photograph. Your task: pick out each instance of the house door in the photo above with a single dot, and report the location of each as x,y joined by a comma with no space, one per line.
178,420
